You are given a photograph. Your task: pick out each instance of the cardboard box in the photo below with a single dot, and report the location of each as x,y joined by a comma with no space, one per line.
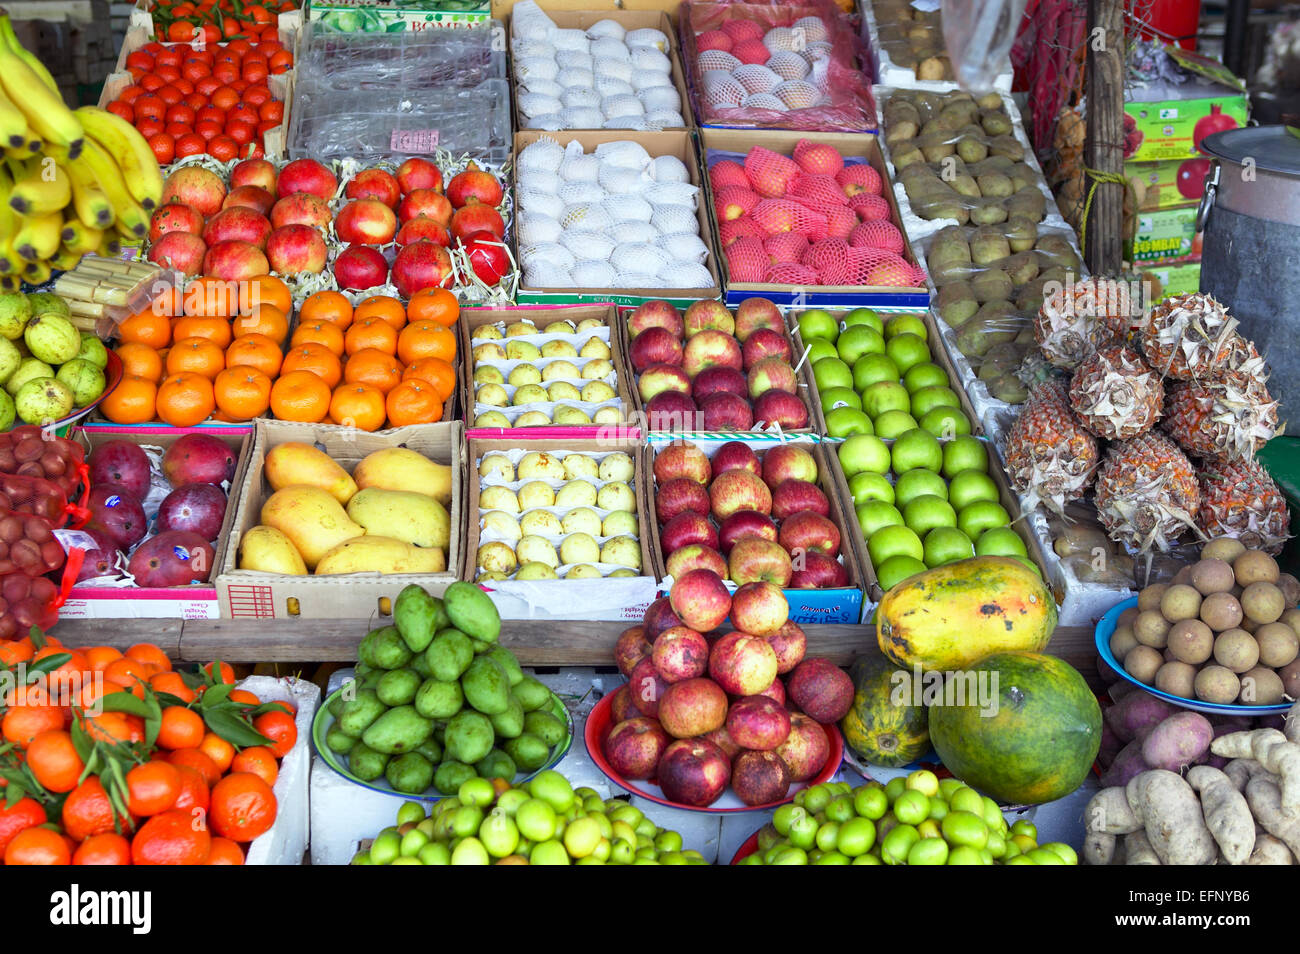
1168,128
1175,279
835,605
501,8
679,144
1163,183
141,32
541,315
717,144
251,594
1164,237
355,16
604,599
195,601
630,20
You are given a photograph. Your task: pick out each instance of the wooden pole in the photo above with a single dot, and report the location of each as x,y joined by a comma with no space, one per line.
1104,148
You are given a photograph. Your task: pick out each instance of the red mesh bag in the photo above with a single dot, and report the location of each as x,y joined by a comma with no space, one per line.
713,40
746,260
877,234
786,247
818,157
26,450
34,601
840,222
728,172
870,208
783,215
873,266
791,274
828,254
769,172
861,175
44,498
27,544
733,229
740,196
740,30
751,51
818,188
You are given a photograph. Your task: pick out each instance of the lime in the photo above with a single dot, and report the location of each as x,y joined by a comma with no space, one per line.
928,851
855,837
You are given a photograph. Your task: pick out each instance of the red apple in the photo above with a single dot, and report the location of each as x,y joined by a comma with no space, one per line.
250,197
422,265
708,315
736,455
197,187
694,556
655,314
306,175
416,173
359,267
693,772
680,653
709,349
630,648
182,251
198,459
654,346
817,571
117,512
672,411
788,462
679,495
301,208
199,508
235,261
258,173
769,374
633,748
646,686
789,643
366,222
423,228
760,609
687,528
237,224
296,250
754,314
760,778
172,558
743,524
753,559
715,380
174,217
659,616
792,495
428,203
776,691
682,459
783,408
806,749
735,490
725,411
375,184
765,343
821,689
723,740
742,664
692,707
659,378
120,462
701,600
809,532
758,722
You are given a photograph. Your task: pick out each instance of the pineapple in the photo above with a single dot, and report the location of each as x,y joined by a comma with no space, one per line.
1189,337
1239,499
1115,394
1232,417
1082,317
1147,493
1050,457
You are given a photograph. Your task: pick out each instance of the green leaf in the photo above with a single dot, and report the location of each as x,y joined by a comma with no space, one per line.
81,741
166,700
216,695
38,638
47,665
233,729
125,702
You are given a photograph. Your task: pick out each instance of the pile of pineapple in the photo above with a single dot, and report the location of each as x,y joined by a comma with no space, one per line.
1177,397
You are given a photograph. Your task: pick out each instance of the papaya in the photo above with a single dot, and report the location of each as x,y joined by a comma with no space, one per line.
888,723
953,615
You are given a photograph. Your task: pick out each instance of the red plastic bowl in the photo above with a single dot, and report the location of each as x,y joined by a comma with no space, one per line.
599,723
744,851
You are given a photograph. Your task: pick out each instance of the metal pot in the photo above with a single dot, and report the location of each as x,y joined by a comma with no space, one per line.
1250,256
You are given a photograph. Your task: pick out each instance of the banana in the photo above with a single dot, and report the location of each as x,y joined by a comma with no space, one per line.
13,124
7,36
64,259
9,262
37,237
47,114
32,148
77,237
88,200
36,273
110,246
123,141
44,188
127,211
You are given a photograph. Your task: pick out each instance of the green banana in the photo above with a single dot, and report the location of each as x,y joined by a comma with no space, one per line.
79,238
123,141
47,114
13,124
37,237
45,188
129,215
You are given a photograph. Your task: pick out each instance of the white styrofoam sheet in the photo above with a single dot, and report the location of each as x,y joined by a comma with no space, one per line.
286,842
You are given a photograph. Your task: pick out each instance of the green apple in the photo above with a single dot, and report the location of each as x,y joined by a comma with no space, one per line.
964,453
832,398
864,316
847,421
969,486
894,541
917,482
892,423
858,340
1027,562
819,348
916,448
93,350
818,323
945,423
946,545
975,518
907,350
884,396
925,399
864,452
868,486
1000,541
906,324
7,412
83,379
872,368
832,373
897,569
927,511
875,514
925,375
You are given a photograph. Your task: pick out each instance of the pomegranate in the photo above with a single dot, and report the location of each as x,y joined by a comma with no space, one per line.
422,265
417,173
474,183
760,778
1191,177
487,256
423,229
360,267
631,648
1208,125
473,217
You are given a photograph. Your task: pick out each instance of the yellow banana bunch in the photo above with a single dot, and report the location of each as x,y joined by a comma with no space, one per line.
26,85
110,246
123,141
88,199
36,273
78,238
37,237
10,263
44,187
131,218
13,124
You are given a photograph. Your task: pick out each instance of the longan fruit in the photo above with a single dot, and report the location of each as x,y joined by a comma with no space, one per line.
1122,640
1290,676
1217,684
1221,612
1212,576
1151,629
1142,662
1177,679
1237,650
1290,588
1261,687
1183,577
1149,598
1126,618
1263,602
1191,641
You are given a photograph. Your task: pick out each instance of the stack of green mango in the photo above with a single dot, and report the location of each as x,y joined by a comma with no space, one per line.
437,702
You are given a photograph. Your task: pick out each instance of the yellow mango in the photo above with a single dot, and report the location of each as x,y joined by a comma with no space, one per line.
398,468
380,555
416,519
313,520
299,463
268,550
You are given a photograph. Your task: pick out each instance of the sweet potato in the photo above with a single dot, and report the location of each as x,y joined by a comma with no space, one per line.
1271,748
1265,801
1137,712
1139,851
1127,763
1099,848
1108,811
1226,814
1171,817
1177,741
1241,771
1270,851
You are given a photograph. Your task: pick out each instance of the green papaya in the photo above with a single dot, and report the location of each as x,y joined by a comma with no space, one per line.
888,724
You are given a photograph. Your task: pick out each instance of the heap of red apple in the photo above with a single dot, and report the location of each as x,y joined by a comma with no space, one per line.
707,370
744,518
188,522
702,710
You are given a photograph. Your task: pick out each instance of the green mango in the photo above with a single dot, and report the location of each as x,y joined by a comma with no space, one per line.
360,712
449,655
509,724
398,730
486,687
469,737
532,695
472,611
480,646
410,773
418,616
397,687
529,752
421,665
431,749
339,741
496,764
451,775
360,669
546,727
365,763
436,699
508,663
384,648
336,704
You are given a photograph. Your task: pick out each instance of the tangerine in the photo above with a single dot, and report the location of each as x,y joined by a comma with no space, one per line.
173,837
413,402
358,405
185,399
330,306
242,393
300,396
379,369
433,304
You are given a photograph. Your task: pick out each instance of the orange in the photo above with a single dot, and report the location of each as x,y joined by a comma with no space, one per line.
198,760
426,339
216,330
132,401
280,728
300,396
23,723
225,852
171,838
195,792
37,846
146,327
108,848
264,290
218,749
242,393
170,302
19,650
243,807
150,655
197,356
435,372
87,811
330,306
126,672
24,813
172,684
434,304
319,332
379,369
54,761
219,671
358,405
263,320
259,760
181,728
152,788
413,402
114,726
317,359
98,657
212,298
140,360
243,695
372,332
381,306
185,399
255,351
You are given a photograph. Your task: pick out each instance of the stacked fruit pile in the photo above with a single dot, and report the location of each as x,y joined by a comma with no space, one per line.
1184,365
198,469
545,822
396,519
538,373
543,514
879,378
744,67
216,100
771,515
740,725
209,22
140,765
47,367
709,370
73,180
438,702
808,219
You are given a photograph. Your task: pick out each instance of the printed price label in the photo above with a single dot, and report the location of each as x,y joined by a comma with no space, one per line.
414,140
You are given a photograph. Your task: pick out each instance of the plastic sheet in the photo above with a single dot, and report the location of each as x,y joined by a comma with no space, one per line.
978,35
907,44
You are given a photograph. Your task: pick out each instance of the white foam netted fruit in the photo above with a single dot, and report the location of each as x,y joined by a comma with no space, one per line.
672,193
650,79
717,60
620,182
543,87
605,29
538,104
577,167
816,51
639,256
647,37
812,28
798,94
535,229
617,69
593,273
723,91
548,121
684,274
757,78
665,119
588,244
778,39
539,181
542,203
686,246
669,169
609,48
570,40
649,59
636,123
583,117
762,101
623,153
580,190
544,155
548,276
586,215
547,254
633,231
522,49
541,67
580,97
788,65
573,76
529,19
613,86
674,218
628,208
574,60
660,99
613,106
635,280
